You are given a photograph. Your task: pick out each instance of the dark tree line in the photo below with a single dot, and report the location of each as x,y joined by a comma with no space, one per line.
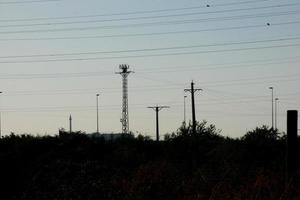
186,165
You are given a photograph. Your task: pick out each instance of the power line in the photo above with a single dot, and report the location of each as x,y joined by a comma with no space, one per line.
212,113
134,12
252,97
233,64
149,55
253,83
249,63
149,17
174,22
237,3
237,81
141,105
103,73
54,75
147,88
88,108
200,67
25,2
151,34
257,78
218,68
152,49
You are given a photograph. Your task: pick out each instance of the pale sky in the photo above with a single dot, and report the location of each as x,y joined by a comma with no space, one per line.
57,55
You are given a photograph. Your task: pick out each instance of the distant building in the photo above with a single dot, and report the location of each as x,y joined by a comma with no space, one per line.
110,136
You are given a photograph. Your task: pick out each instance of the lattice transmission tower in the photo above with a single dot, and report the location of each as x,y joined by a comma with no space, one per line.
124,71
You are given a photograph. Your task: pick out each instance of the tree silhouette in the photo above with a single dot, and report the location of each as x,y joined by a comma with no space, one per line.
187,165
262,133
203,130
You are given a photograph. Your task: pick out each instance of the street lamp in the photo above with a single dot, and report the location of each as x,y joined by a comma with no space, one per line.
276,102
272,89
184,110
97,101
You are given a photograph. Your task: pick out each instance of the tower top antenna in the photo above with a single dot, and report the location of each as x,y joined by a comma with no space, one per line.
124,69
124,66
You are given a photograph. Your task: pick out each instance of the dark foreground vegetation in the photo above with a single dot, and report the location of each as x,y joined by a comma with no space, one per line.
185,166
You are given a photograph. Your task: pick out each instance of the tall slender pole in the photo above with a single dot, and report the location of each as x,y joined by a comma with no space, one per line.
157,124
70,120
157,109
184,110
97,101
276,112
193,108
272,90
192,91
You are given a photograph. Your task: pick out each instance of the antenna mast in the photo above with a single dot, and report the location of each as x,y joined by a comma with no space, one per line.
124,71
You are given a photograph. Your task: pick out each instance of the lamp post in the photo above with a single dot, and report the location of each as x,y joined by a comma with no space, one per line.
97,101
272,89
276,108
184,110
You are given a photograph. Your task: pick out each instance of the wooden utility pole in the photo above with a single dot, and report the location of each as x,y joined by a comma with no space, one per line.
157,109
192,91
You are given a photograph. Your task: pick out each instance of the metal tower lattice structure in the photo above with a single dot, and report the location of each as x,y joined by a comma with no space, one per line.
124,71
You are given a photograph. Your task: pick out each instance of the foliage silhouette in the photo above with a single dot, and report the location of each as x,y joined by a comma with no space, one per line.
202,131
261,133
201,165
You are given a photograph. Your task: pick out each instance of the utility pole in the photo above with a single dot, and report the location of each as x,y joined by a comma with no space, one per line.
70,120
157,109
97,102
124,71
184,110
192,91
